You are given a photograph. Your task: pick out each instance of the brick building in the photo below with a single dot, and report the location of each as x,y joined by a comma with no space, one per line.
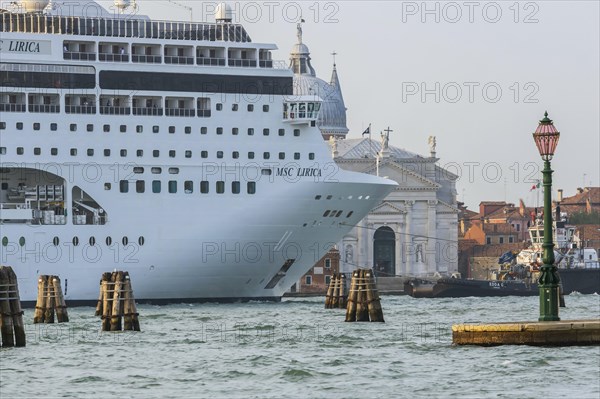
318,277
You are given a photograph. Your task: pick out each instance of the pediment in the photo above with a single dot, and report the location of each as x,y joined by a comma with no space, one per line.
406,178
386,208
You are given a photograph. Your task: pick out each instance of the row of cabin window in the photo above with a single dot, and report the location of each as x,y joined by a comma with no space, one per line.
156,153
75,241
155,129
188,187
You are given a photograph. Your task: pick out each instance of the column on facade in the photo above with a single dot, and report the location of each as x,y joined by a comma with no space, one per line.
363,244
407,248
432,255
371,241
399,234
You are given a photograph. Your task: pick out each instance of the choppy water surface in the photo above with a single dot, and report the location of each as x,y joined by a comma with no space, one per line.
297,349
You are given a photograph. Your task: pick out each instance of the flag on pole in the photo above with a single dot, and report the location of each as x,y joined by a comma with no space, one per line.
367,131
535,186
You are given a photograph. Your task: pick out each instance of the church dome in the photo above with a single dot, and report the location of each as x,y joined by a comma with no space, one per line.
332,117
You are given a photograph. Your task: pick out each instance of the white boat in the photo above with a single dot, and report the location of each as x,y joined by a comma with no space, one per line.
161,148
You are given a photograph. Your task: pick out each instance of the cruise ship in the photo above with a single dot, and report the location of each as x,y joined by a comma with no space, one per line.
174,150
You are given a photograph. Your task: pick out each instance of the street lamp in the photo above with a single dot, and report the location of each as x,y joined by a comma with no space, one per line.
546,138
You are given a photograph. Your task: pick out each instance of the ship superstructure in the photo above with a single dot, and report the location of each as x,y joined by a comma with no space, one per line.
167,149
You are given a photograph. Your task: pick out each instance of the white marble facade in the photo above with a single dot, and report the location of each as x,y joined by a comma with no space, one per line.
414,231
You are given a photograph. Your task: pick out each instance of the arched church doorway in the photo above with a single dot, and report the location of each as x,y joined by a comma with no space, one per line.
384,252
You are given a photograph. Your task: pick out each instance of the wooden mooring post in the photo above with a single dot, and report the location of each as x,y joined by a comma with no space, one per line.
336,292
363,299
12,329
116,303
50,299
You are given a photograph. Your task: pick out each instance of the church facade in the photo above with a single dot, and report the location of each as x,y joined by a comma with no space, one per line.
414,231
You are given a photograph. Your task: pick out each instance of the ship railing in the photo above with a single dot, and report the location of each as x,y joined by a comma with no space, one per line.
241,63
171,59
180,112
77,56
204,113
148,59
46,108
121,27
265,63
80,109
7,107
147,111
279,64
113,57
210,61
107,110
15,205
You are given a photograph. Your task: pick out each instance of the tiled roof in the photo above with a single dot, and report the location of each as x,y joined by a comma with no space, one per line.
591,193
589,232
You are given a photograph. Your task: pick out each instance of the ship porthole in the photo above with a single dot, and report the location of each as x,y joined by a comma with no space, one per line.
141,241
55,241
4,241
125,241
22,241
108,241
75,241
92,241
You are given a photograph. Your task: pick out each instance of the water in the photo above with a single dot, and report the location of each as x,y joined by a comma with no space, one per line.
297,349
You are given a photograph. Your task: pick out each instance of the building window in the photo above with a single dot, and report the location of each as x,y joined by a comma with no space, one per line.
172,186
308,280
518,227
501,240
511,239
327,280
220,187
328,263
488,240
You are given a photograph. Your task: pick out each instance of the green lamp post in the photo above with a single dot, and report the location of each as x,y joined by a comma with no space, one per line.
546,138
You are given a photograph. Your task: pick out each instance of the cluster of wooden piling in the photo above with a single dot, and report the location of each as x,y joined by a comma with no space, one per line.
12,329
337,296
116,301
363,299
50,299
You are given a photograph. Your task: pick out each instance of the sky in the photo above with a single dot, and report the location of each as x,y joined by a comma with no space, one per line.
477,75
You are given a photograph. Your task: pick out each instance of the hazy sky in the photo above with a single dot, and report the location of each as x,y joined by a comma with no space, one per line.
478,75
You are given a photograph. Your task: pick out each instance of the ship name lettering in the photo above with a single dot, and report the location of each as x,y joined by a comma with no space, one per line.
17,46
309,172
285,171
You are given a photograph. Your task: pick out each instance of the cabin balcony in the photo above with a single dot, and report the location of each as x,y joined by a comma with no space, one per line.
145,53
114,105
12,102
80,104
180,55
242,57
203,107
44,103
79,51
147,106
212,56
179,106
115,52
